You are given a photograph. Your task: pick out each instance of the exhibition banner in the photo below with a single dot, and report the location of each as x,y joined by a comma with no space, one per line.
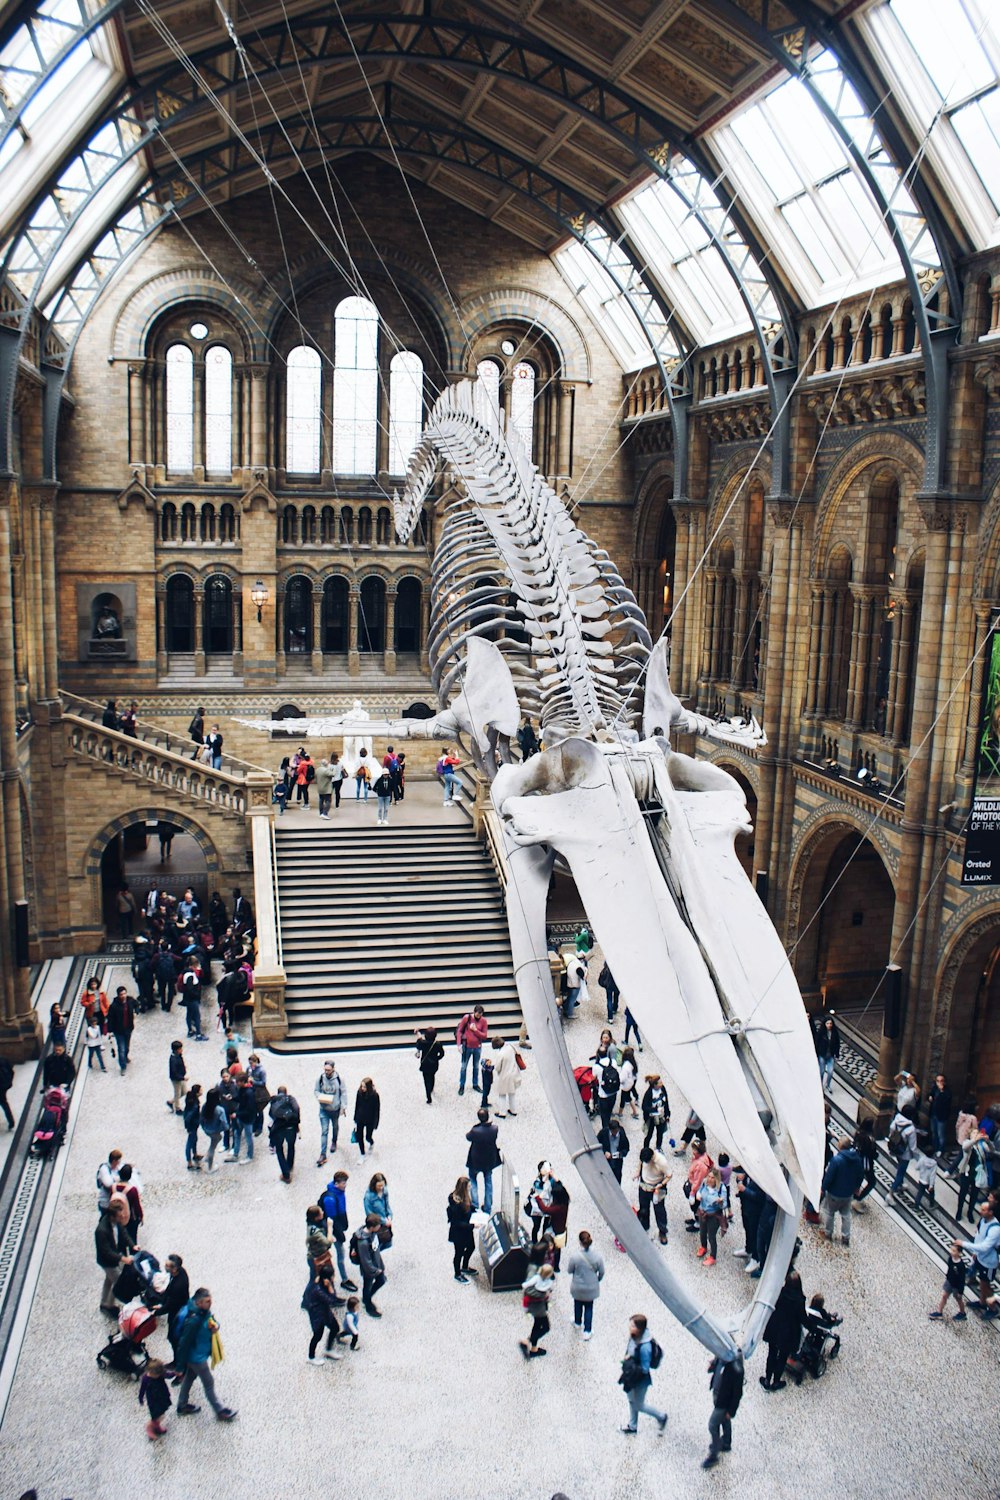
981,865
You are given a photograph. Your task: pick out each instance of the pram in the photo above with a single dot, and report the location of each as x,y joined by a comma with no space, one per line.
585,1083
126,1351
819,1344
136,1280
50,1132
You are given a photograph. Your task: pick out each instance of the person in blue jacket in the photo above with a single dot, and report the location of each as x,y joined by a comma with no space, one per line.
194,1350
986,1249
841,1180
637,1375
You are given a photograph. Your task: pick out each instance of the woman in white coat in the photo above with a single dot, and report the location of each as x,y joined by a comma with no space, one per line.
506,1077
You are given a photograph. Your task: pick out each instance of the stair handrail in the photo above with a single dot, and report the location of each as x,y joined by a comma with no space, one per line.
114,750
93,710
493,839
277,893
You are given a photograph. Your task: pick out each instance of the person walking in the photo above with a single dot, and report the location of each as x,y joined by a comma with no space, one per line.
655,1110
482,1160
783,1331
841,1180
171,1299
614,1143
710,1207
324,787
653,1178
608,1081
177,1074
376,1201
827,1041
95,1046
576,984
506,1077
192,1120
642,1356
195,1348
940,1102
431,1054
334,1205
612,994
367,1112
121,1024
166,976
285,1120
726,1385
460,1234
243,1119
864,1145
154,1394
7,1083
113,1244
586,1272
371,1263
190,999
320,1301
215,1124
985,1250
954,1285
331,1097
383,789
338,775
536,1295
470,1035
902,1145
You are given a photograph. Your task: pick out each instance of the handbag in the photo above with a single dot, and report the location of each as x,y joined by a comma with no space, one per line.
522,1065
354,1136
261,1095
384,1237
560,1241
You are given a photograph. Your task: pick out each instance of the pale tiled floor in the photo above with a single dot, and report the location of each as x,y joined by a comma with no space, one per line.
437,1401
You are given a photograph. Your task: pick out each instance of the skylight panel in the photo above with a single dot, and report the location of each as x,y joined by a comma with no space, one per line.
606,305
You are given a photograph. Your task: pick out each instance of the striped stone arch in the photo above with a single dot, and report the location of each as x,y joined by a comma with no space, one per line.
94,854
727,761
298,570
183,569
157,296
411,572
386,264
737,472
985,578
648,506
891,450
373,570
482,311
335,570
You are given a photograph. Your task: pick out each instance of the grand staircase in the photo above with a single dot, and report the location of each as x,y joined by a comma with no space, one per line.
387,929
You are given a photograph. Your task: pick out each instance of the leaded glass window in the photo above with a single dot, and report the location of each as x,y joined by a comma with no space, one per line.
355,387
522,403
180,409
302,432
406,408
488,394
218,410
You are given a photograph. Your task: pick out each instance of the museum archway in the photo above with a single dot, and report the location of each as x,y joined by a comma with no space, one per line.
972,1061
842,939
131,857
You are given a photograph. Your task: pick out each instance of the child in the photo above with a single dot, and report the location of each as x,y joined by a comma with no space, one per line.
95,1046
925,1166
350,1329
154,1392
954,1286
486,1080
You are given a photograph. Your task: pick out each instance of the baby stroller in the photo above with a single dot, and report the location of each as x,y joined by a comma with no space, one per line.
126,1351
136,1280
585,1083
50,1132
819,1344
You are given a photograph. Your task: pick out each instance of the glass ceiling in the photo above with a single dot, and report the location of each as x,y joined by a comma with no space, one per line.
793,178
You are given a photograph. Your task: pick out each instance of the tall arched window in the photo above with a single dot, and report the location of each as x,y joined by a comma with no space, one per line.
371,615
180,409
218,621
522,403
335,607
355,386
304,397
298,616
218,410
180,613
406,408
488,394
408,604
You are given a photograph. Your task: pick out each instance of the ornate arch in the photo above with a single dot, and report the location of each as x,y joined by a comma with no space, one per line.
91,863
191,571
298,570
522,305
648,506
958,941
988,547
169,290
815,830
374,570
889,449
735,472
727,761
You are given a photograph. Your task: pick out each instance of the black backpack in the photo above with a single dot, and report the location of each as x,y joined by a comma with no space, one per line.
655,1355
353,1253
896,1142
286,1111
310,773
610,1079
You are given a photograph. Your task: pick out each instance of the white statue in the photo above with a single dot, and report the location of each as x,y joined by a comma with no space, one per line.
358,741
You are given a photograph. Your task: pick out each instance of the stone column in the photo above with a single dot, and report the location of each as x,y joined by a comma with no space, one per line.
353,655
710,623
677,585
390,632
20,1034
137,414
259,456
858,605
279,627
198,603
738,654
815,630
161,631
237,633
36,610
425,625
564,452
983,612
828,605
317,632
199,419
899,669
50,600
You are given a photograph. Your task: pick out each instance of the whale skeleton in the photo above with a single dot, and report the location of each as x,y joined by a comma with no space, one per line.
647,833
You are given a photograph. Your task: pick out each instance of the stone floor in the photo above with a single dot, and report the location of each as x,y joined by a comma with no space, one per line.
437,1401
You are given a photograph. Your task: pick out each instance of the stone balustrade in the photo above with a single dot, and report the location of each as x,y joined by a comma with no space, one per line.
164,769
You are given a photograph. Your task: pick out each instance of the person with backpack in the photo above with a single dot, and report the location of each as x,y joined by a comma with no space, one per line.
985,1249
726,1385
536,1294
196,1337
977,1177
214,1123
864,1145
383,789
608,1080
285,1119
364,1252
331,1099
902,1146
190,999
166,976
196,731
448,763
576,981
612,994
231,992
243,1119
643,1355
305,775
470,1034
192,1119
324,787
142,973
362,774
6,1083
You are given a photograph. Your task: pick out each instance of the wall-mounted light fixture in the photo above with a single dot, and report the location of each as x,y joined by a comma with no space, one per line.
259,595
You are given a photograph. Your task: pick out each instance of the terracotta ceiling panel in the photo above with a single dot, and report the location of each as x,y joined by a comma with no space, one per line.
491,117
592,35
668,88
717,56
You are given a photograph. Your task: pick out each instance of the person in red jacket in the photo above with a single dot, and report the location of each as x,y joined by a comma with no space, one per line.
471,1032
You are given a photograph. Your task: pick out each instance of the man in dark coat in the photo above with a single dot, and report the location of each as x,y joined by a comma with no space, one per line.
483,1157
726,1386
174,1298
59,1069
614,1143
121,1023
